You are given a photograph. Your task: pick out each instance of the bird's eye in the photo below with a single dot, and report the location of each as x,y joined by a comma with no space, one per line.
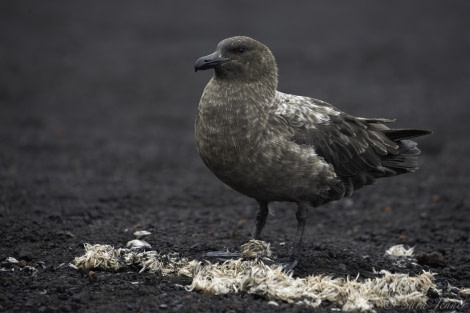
240,50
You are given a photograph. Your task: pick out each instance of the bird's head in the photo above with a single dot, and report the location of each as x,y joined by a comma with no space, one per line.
240,58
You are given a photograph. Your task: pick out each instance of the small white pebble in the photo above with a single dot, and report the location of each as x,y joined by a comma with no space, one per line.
138,244
12,260
141,233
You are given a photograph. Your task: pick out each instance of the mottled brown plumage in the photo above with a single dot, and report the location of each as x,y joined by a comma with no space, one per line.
273,146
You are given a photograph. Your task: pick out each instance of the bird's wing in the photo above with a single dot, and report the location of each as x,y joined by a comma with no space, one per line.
352,145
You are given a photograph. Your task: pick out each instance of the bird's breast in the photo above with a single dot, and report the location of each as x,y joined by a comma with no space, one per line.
225,137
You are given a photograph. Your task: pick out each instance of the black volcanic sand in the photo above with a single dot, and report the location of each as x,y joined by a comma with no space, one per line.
97,102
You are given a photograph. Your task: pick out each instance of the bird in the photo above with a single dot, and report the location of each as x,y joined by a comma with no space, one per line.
274,146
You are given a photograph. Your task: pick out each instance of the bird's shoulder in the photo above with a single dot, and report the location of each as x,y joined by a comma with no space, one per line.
300,111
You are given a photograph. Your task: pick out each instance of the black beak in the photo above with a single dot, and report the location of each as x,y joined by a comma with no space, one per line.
209,61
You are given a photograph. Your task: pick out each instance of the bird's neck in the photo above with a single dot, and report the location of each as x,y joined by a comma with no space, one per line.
241,96
228,109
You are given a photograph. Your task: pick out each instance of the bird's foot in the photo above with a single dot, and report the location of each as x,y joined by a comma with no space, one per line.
288,264
223,255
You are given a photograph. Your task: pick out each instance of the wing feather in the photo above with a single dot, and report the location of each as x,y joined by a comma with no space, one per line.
352,145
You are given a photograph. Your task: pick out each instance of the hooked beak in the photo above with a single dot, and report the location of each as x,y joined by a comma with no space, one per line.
209,61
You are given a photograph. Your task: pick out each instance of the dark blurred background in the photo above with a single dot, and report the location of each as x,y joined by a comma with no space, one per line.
100,96
97,103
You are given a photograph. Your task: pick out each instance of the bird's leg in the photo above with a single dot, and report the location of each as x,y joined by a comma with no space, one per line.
302,214
261,216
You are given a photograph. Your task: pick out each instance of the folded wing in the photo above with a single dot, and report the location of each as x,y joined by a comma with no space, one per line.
360,149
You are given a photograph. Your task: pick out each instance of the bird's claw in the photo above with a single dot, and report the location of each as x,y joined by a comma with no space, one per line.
288,265
222,255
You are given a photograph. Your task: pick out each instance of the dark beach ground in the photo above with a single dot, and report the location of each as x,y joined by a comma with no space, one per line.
97,101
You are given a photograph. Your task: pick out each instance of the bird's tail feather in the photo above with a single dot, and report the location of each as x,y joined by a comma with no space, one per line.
405,157
405,133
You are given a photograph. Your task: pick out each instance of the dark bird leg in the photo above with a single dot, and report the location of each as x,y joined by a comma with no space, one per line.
302,214
261,216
